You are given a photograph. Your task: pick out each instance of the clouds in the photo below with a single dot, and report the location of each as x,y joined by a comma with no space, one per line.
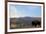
25,10
12,11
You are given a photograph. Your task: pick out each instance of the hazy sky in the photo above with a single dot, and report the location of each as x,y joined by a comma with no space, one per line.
24,10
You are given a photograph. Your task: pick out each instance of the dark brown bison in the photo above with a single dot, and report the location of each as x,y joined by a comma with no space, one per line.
36,23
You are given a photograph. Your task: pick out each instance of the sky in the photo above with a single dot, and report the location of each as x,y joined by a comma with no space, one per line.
24,10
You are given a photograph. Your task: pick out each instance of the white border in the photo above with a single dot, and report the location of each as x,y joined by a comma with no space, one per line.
27,29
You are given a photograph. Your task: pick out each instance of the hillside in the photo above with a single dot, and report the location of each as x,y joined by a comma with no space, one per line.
23,22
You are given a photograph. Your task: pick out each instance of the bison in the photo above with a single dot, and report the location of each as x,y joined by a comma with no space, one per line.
36,23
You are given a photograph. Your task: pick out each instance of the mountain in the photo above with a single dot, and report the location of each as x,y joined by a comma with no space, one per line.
25,19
